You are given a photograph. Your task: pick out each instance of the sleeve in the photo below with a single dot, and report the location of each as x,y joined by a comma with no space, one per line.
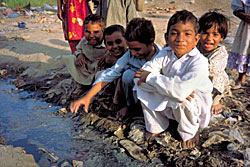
180,87
152,66
237,5
217,68
115,71
79,47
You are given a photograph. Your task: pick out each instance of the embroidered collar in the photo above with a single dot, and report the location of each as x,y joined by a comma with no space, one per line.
102,45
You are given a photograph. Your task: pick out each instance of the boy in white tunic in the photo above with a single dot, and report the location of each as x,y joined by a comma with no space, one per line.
176,85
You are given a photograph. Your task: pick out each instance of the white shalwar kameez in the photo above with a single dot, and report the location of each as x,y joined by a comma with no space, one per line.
172,80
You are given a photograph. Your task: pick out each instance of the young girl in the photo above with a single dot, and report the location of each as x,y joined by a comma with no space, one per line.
239,57
72,20
213,29
83,64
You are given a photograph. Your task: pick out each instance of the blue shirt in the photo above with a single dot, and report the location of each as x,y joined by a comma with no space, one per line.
127,61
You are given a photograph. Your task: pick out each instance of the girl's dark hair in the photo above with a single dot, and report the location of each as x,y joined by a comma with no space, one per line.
140,29
94,18
183,16
214,19
114,28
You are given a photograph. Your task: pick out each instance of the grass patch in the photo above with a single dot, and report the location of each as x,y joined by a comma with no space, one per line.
34,3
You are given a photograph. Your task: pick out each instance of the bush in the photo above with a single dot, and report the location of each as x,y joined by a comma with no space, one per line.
34,3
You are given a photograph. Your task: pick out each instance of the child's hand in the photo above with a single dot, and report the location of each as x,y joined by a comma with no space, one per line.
247,18
80,60
243,16
142,74
101,62
216,109
74,106
59,14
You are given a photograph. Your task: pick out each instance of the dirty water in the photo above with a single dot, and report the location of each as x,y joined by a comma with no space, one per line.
52,139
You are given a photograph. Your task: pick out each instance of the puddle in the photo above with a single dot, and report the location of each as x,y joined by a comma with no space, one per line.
30,123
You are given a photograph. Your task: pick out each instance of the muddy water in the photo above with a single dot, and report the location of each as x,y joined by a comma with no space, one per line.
32,124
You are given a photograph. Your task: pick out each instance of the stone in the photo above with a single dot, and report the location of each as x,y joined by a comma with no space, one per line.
15,157
134,150
62,111
76,163
137,132
3,72
216,137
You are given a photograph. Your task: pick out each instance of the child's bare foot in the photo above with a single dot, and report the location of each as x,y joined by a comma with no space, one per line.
149,137
122,113
191,142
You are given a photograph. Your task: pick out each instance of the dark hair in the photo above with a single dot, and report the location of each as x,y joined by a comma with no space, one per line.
183,16
214,19
114,28
140,29
94,18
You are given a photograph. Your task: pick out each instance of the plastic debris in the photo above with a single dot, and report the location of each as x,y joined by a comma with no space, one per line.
48,7
13,15
236,135
232,146
22,25
29,13
195,154
39,9
227,113
134,150
3,72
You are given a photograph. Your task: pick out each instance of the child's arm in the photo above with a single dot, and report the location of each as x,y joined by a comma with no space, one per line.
142,75
179,86
218,76
74,106
238,10
59,11
80,60
110,74
80,57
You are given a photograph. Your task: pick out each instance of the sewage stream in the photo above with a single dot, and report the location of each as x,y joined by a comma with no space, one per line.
30,123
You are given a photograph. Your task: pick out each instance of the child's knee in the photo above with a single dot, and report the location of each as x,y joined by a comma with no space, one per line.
128,77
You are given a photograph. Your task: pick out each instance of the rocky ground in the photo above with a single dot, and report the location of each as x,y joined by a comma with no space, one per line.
29,56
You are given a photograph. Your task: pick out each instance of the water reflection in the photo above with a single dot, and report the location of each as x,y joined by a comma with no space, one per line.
32,124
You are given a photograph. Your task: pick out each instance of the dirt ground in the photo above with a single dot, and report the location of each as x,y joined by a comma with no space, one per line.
37,46
32,53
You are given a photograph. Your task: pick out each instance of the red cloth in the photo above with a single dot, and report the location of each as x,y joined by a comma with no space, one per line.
74,13
73,45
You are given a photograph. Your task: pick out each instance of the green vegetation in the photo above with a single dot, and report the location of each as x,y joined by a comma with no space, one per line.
34,3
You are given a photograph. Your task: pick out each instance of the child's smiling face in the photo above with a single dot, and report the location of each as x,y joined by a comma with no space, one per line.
210,38
93,33
116,44
182,38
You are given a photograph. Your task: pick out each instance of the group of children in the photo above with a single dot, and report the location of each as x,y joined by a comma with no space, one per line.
184,81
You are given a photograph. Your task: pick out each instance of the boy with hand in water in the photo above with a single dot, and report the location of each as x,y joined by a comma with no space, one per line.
83,64
166,84
213,29
140,36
